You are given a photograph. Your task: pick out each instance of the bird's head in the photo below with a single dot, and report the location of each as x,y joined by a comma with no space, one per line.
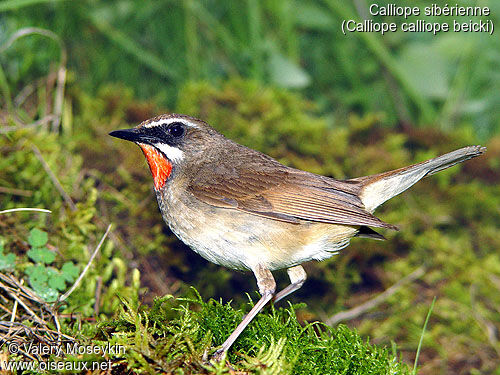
171,143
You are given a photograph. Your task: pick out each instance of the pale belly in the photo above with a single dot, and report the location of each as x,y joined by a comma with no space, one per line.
240,240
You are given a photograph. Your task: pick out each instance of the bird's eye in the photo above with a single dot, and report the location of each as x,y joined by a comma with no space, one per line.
176,129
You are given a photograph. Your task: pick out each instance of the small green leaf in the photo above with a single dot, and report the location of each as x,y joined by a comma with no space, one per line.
37,238
37,274
40,277
29,270
41,255
286,73
49,294
69,271
426,68
57,282
51,272
44,291
7,261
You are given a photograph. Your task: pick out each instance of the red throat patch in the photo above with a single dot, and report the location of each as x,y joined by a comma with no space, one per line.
158,164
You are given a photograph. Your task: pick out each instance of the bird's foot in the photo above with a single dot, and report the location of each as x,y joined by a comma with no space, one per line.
218,355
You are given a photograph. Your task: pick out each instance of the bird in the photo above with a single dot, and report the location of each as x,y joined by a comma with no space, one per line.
242,209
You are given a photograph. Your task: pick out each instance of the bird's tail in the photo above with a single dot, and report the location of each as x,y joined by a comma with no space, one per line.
376,189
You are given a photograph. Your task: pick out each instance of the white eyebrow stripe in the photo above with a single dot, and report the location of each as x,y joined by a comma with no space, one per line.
168,121
173,154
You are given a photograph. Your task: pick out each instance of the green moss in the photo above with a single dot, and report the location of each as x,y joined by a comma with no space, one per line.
180,335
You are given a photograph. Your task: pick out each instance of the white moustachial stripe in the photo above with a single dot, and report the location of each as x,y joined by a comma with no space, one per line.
173,154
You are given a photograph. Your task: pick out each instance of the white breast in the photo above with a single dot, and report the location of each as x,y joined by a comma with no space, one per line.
240,240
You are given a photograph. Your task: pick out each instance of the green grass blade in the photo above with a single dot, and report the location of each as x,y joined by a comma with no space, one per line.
17,4
148,59
192,41
256,44
5,90
222,34
414,372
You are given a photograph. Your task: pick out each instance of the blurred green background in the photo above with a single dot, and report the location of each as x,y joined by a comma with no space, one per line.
278,76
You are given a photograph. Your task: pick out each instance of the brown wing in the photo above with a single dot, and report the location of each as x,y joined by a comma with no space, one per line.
258,184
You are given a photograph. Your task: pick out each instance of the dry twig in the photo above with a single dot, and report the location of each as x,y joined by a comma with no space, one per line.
18,294
15,191
25,306
54,179
42,121
489,327
77,282
25,209
98,292
372,303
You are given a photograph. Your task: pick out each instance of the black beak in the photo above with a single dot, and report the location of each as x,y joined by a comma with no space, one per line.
133,135
127,134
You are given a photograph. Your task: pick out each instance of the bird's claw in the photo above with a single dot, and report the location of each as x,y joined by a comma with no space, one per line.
218,355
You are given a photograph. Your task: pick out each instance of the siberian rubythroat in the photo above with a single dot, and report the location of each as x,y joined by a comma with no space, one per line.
241,209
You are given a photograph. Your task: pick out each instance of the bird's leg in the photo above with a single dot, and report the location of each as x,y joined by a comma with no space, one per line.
267,288
297,277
